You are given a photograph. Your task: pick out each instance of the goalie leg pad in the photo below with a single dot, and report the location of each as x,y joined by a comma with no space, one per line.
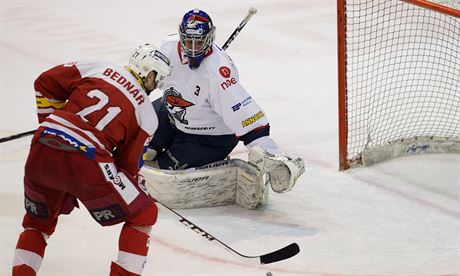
250,188
207,186
220,183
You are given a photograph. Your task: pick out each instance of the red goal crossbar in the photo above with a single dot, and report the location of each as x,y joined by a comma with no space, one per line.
435,6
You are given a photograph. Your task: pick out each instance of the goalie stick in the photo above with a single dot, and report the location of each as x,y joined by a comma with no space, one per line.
272,257
238,29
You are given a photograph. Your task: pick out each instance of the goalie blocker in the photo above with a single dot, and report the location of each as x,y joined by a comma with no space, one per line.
225,182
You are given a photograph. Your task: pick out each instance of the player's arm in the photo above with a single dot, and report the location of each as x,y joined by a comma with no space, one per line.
245,117
239,110
260,137
53,88
129,155
139,132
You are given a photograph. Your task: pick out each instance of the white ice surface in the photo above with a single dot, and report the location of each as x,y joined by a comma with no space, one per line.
400,217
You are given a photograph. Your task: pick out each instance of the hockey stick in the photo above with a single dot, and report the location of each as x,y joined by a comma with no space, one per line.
272,257
16,136
245,20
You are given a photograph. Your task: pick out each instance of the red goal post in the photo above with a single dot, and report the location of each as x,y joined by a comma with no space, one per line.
398,79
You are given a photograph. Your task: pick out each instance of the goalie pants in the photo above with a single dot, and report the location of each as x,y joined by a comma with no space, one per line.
178,150
53,182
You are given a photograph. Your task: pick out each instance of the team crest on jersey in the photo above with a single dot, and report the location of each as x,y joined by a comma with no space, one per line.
176,104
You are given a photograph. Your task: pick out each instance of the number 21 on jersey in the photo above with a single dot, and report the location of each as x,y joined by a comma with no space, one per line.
103,100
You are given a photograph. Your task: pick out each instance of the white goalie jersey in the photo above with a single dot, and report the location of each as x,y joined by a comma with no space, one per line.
208,100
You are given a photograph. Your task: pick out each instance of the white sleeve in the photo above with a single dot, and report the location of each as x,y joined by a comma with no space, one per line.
266,143
230,100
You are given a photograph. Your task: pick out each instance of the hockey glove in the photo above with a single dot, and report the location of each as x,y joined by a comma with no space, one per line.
283,170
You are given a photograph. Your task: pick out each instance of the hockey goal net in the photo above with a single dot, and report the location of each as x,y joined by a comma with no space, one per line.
399,79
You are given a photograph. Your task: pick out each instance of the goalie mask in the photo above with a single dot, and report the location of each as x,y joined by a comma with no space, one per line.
196,36
147,58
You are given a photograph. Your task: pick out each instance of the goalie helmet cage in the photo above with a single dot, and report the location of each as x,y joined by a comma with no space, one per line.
399,79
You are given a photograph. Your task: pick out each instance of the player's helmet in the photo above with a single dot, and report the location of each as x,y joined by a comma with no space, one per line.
147,58
196,35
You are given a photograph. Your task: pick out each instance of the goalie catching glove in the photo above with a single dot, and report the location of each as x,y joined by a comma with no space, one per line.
283,170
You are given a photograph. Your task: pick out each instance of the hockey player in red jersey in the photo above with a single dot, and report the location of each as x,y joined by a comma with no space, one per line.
95,123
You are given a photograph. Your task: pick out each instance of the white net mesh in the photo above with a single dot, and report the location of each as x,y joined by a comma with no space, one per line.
403,73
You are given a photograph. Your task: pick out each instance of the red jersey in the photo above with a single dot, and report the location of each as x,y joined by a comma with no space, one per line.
98,108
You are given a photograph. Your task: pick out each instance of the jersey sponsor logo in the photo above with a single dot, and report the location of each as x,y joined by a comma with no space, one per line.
254,118
236,107
225,71
200,128
108,214
109,170
120,182
35,208
244,102
88,151
126,84
117,181
227,83
176,105
125,188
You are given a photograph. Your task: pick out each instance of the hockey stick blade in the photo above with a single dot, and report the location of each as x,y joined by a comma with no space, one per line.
275,256
280,254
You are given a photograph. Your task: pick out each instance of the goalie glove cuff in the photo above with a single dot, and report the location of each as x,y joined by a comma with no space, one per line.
266,143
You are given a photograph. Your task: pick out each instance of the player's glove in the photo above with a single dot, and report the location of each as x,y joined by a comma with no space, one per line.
283,170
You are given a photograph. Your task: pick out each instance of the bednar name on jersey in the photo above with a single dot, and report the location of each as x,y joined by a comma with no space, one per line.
130,87
103,108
